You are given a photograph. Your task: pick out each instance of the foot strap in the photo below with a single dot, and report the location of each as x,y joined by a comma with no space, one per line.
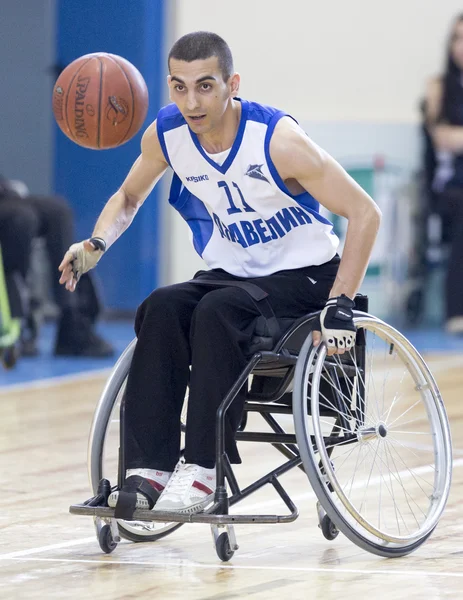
127,498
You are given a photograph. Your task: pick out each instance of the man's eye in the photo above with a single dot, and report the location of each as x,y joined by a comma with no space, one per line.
179,88
206,86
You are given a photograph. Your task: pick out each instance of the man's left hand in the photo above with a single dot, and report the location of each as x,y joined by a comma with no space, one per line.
336,325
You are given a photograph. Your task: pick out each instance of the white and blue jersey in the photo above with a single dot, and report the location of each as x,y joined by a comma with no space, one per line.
241,214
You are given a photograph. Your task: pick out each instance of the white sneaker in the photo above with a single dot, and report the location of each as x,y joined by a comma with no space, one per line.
190,489
157,479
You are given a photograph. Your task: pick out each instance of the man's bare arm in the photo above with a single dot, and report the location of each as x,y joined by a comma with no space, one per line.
119,211
296,157
122,207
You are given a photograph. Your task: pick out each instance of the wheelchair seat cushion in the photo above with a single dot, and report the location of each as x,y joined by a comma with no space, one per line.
262,339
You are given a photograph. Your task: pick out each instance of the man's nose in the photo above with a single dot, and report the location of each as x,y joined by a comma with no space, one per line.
192,101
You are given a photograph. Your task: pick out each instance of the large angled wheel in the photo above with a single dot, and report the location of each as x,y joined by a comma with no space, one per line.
103,449
374,439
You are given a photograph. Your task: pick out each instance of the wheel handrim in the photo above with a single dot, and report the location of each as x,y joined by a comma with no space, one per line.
374,433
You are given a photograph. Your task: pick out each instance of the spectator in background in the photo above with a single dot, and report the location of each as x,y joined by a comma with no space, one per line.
444,124
21,220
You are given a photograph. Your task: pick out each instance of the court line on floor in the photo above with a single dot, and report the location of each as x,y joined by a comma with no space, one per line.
246,510
68,544
405,474
192,565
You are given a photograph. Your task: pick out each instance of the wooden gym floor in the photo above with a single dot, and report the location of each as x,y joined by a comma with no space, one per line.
46,553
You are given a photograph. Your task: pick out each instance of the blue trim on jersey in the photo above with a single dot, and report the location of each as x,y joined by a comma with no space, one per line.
195,213
169,117
236,144
304,198
261,113
268,136
308,202
162,141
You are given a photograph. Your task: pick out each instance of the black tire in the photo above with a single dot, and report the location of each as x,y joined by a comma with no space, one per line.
329,529
105,539
133,537
310,462
223,548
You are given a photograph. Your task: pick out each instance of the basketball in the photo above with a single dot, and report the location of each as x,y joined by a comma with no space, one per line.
100,101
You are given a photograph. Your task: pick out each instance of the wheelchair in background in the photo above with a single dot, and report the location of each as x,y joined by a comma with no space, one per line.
370,433
10,328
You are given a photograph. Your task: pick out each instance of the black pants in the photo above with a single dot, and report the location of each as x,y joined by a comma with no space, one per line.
209,329
451,208
22,220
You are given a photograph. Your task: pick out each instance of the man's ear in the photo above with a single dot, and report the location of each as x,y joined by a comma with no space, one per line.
234,82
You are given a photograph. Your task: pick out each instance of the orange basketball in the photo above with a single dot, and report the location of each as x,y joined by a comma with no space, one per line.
100,100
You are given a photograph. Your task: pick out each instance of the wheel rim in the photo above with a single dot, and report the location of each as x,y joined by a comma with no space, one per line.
103,443
385,468
110,466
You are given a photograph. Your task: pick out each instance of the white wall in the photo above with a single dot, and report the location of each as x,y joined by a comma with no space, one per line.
350,72
331,59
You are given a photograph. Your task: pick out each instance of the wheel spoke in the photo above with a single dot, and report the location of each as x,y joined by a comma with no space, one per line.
372,403
406,494
396,508
410,471
389,425
429,465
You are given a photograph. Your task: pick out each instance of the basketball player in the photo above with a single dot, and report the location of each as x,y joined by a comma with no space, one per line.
248,181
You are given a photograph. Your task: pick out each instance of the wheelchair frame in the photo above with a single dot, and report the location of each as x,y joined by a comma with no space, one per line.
280,362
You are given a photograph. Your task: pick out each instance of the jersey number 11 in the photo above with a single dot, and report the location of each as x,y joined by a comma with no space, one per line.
233,208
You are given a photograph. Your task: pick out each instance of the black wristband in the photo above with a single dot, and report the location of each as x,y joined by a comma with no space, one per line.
99,243
341,300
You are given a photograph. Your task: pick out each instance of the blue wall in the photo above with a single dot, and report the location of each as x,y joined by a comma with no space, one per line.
134,30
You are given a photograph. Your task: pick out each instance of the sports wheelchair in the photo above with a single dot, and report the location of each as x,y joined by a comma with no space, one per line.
370,433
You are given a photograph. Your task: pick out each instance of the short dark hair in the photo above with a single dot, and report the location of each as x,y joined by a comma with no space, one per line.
200,45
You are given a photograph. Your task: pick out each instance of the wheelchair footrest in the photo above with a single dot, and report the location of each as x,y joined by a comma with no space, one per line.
175,517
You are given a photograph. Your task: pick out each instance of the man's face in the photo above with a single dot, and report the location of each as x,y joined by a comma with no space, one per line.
200,93
457,45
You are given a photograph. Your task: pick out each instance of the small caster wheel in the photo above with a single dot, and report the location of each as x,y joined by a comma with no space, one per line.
329,529
10,356
105,539
223,548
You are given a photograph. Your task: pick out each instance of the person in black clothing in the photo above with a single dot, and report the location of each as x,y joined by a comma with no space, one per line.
444,128
21,220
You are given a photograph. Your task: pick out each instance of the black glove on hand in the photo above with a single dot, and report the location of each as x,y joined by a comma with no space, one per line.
336,323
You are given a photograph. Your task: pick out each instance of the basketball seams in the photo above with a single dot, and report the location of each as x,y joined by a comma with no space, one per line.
132,94
108,78
100,97
67,98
